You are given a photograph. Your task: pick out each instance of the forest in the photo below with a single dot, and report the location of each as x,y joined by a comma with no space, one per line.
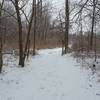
39,33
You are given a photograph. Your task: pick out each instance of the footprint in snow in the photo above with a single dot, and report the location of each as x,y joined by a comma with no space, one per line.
42,88
10,98
90,85
97,94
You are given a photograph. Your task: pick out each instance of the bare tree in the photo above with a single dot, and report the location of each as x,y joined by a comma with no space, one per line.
1,42
93,23
66,25
17,8
29,29
34,31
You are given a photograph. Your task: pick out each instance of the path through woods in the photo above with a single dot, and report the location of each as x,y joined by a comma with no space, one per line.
48,76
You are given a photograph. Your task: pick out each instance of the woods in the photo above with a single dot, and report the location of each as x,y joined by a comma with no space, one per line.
75,29
49,50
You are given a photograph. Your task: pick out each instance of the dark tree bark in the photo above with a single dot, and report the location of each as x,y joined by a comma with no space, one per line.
95,44
1,42
93,23
66,25
34,31
41,7
29,30
21,62
28,51
1,59
81,32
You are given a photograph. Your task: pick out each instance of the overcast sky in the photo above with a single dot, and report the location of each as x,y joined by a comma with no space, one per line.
57,5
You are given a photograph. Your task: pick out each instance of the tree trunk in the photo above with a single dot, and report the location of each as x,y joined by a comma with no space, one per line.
95,44
93,22
34,33
1,43
66,25
1,59
21,62
29,30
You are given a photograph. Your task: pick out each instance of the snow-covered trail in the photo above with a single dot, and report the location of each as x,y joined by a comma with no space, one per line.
48,76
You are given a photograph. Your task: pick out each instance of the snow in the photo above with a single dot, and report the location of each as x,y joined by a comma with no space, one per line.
48,76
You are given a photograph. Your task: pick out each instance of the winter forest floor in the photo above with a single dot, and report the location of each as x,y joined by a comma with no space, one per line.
48,76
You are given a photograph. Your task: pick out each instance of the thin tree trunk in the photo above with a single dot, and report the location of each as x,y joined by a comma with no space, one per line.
88,45
21,62
1,59
81,31
28,51
41,8
66,25
93,22
34,33
95,44
29,31
1,42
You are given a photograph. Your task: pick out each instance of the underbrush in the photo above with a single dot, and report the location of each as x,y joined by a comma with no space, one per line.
89,62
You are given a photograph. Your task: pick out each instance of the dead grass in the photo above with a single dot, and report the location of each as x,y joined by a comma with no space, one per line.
47,44
40,44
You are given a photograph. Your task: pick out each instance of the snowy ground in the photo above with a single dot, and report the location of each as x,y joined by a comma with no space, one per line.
48,76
